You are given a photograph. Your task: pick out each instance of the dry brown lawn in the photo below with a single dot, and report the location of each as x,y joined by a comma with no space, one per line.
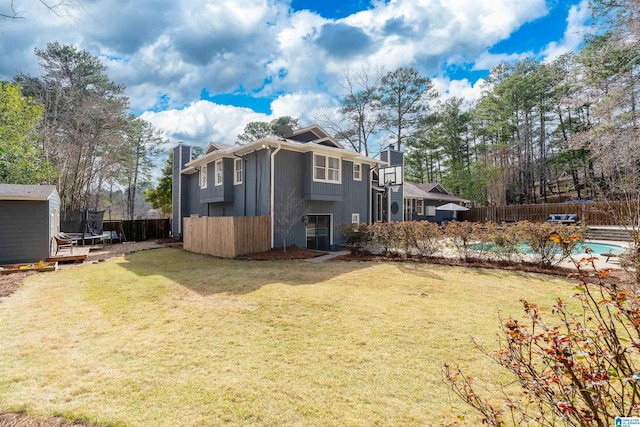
165,337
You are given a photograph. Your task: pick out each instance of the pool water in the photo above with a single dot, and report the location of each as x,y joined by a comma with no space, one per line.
597,248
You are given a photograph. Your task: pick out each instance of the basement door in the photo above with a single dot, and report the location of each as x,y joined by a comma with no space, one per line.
318,230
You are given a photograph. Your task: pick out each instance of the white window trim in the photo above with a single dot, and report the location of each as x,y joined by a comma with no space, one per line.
203,177
355,218
237,169
326,169
218,172
359,177
430,210
419,207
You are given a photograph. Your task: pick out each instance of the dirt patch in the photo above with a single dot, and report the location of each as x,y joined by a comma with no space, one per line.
9,283
103,253
22,420
292,252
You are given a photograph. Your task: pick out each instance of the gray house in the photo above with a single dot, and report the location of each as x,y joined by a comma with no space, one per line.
421,201
29,218
307,182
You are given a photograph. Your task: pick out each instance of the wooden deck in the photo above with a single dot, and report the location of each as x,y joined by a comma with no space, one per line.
80,253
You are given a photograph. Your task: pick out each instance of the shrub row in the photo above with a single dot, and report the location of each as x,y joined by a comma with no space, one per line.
468,241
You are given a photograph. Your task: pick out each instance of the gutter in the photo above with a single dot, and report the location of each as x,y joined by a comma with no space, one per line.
273,179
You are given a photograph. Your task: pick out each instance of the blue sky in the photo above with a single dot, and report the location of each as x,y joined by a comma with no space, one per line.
201,69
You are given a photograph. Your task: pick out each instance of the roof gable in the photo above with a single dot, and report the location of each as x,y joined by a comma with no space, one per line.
216,146
316,135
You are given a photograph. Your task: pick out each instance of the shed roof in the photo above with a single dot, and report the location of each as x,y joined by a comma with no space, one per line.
26,192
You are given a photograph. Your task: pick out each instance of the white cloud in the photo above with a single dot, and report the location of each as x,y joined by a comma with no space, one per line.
167,51
202,122
459,88
487,61
308,107
577,29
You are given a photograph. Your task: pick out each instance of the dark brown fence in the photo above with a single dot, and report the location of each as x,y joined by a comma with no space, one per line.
600,213
140,229
227,237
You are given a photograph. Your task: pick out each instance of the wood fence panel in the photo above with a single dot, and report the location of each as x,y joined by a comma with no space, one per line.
594,213
252,234
227,237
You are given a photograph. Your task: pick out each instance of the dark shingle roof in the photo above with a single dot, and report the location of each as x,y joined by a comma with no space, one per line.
26,192
425,191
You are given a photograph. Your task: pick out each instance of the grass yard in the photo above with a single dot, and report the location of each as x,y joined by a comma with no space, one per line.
165,337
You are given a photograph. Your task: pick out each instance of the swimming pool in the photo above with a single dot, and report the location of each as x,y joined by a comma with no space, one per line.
599,248
596,248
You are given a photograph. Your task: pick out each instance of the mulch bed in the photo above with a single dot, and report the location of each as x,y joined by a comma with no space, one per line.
292,252
614,276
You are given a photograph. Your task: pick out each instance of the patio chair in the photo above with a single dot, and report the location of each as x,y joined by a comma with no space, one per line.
64,241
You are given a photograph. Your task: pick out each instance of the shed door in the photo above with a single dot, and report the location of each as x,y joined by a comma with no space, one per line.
318,230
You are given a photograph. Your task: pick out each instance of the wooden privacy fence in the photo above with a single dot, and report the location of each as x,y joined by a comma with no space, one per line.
140,229
228,236
593,213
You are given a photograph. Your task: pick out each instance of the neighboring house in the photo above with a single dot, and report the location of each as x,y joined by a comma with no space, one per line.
412,201
29,218
421,201
307,179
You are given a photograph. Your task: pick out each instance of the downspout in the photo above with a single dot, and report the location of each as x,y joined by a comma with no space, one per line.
272,201
370,208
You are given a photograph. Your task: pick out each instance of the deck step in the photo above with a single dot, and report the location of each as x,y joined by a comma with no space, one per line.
618,234
65,255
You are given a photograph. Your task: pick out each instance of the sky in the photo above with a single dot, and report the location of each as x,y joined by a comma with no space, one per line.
200,70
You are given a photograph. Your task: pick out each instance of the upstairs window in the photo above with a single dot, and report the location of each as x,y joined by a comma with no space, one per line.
237,172
218,167
203,177
326,169
333,170
357,172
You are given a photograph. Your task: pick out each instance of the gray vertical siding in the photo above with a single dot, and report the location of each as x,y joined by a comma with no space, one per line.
319,190
293,175
193,205
24,231
289,183
257,180
179,188
218,193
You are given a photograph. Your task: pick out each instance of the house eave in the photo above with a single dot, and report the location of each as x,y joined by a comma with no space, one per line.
270,142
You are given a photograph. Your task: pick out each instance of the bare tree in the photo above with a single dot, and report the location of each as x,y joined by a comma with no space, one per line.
289,210
59,8
360,112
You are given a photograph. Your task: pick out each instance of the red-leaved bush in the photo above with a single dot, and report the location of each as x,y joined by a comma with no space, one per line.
576,366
